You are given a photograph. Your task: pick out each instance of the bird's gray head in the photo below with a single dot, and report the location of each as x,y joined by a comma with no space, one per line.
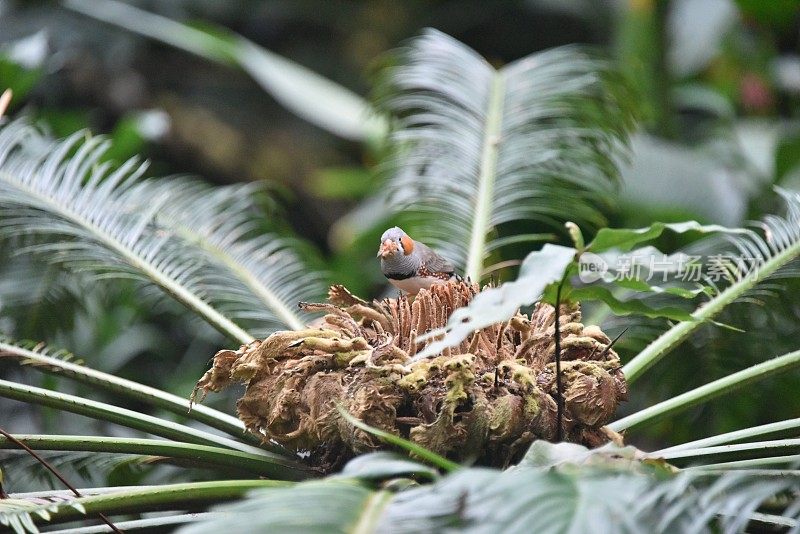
395,244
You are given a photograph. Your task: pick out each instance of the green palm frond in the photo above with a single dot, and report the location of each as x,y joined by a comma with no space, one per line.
763,254
113,224
478,147
766,323
557,488
261,275
19,514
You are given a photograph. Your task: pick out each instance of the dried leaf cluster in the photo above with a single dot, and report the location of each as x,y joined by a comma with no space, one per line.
484,400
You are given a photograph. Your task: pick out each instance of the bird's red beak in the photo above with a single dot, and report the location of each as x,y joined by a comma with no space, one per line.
388,248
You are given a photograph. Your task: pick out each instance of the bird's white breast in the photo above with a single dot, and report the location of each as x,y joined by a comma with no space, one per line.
415,283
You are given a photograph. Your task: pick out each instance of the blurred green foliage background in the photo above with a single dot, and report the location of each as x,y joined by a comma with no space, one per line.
718,80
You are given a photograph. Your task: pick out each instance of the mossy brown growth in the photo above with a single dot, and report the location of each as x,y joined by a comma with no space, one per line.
484,400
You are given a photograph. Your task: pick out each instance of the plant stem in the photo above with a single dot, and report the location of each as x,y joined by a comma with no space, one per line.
485,200
675,335
11,439
708,391
162,497
748,450
128,388
738,435
418,450
257,464
121,416
750,464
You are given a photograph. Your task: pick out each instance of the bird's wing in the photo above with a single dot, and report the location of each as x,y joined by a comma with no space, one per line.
433,262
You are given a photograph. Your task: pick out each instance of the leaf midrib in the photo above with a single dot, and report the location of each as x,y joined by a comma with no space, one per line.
269,298
486,179
371,512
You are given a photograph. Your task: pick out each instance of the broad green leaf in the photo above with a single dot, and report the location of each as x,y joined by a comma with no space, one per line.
319,507
625,239
628,307
571,456
641,286
545,454
302,91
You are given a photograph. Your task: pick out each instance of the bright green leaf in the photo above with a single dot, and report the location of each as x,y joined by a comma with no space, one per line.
625,238
627,307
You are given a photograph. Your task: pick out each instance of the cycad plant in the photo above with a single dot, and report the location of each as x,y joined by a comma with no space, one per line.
474,150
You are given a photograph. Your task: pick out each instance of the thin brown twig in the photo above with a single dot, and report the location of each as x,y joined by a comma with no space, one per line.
613,341
55,472
559,391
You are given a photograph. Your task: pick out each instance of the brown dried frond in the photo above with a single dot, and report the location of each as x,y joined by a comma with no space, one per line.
486,399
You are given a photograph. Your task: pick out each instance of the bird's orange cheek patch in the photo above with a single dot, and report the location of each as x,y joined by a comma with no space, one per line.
408,244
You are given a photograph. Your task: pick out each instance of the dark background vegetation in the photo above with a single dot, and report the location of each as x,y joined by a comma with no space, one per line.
719,83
